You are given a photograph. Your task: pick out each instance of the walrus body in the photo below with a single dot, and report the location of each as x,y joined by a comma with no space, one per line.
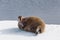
31,24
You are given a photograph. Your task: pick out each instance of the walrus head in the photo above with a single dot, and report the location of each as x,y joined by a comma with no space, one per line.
22,21
19,21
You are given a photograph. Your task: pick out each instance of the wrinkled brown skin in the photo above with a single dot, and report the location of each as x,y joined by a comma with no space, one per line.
31,24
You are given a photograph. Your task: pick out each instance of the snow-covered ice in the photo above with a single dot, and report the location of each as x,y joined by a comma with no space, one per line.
9,31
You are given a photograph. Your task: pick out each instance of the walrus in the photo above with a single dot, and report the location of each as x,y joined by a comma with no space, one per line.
31,24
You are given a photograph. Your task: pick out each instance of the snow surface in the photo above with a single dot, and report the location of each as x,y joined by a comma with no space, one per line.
9,31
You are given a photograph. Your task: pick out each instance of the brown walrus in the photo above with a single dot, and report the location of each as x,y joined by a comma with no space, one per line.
31,24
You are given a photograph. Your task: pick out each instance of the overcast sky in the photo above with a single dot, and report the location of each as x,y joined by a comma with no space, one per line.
48,10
